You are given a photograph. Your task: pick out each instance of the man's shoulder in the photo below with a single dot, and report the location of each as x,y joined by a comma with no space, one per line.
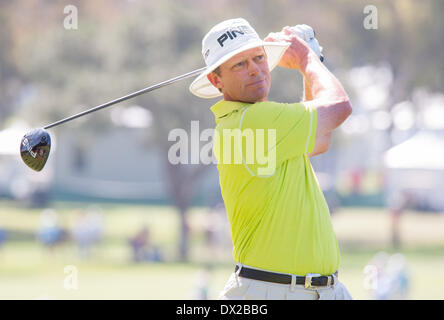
270,110
270,106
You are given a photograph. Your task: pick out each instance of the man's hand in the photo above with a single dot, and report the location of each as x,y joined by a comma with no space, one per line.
300,37
306,33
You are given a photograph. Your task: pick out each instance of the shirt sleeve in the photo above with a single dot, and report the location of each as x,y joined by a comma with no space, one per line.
289,131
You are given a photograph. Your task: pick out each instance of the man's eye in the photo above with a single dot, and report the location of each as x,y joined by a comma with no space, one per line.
240,64
260,57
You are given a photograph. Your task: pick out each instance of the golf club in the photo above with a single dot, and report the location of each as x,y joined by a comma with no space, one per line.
36,144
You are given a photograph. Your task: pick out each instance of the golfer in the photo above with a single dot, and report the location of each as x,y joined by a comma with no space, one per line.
284,245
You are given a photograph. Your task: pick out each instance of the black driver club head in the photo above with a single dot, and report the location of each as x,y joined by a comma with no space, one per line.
34,148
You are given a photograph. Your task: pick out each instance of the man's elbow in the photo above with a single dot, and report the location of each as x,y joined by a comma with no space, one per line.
349,108
343,110
346,109
322,145
320,150
327,143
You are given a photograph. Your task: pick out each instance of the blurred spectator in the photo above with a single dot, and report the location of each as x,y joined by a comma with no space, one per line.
217,231
212,230
139,244
155,255
397,274
87,230
392,280
398,204
50,233
356,176
201,285
142,249
95,220
3,236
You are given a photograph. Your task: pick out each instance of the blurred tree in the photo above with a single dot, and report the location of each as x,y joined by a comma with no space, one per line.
10,77
170,49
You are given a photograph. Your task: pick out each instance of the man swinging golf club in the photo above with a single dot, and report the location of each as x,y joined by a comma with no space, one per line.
284,245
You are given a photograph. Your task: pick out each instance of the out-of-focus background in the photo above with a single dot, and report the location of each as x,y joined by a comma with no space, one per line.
110,217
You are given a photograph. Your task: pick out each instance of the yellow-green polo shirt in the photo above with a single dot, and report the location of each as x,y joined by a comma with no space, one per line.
279,218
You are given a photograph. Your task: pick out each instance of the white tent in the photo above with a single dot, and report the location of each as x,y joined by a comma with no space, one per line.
417,165
10,139
425,150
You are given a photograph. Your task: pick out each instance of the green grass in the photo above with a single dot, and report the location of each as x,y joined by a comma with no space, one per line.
28,271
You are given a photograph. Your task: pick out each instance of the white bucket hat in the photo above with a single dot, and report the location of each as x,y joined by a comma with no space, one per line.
224,41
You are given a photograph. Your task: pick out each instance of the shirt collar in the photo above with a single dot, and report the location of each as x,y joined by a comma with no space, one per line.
223,108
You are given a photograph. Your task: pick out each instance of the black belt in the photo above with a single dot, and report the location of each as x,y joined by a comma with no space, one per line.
307,281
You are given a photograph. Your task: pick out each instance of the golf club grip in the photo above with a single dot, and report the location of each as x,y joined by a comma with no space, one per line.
129,96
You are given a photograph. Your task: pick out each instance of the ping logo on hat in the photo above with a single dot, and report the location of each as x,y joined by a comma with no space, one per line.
226,37
232,33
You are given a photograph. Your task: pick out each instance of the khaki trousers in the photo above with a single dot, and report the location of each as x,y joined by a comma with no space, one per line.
239,288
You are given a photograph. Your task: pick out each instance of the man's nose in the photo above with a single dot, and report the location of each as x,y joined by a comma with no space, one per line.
253,68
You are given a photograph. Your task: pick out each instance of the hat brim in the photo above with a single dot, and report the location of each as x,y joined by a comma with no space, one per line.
203,88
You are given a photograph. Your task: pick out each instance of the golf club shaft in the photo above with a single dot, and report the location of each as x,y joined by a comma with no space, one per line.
129,96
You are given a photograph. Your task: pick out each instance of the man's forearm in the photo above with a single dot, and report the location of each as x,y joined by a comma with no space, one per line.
322,143
308,95
319,82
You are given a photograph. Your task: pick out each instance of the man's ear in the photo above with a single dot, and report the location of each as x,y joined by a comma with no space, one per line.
215,80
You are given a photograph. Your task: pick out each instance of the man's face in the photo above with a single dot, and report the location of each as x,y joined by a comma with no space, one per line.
245,77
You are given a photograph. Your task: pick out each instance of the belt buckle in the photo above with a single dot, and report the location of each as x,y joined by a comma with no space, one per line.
308,278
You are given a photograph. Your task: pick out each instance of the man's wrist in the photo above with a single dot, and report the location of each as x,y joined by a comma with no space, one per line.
306,61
